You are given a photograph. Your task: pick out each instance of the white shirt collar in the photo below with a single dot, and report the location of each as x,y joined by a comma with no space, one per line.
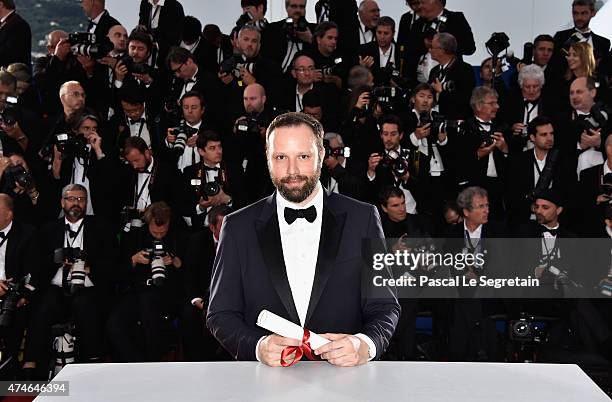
297,89
195,73
194,125
73,226
216,165
7,229
606,168
536,157
6,16
159,3
476,234
98,18
388,52
191,48
317,201
149,168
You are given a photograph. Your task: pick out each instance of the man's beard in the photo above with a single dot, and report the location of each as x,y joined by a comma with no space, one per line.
297,194
74,213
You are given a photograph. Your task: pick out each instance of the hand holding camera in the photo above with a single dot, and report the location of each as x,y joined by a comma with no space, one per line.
590,139
423,131
62,49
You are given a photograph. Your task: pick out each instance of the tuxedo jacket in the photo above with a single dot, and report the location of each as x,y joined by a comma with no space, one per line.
22,251
119,127
274,41
372,49
15,41
99,243
105,24
169,28
350,179
406,24
455,104
344,14
250,275
601,45
206,54
198,264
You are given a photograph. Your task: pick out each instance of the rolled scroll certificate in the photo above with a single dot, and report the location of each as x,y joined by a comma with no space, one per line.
286,328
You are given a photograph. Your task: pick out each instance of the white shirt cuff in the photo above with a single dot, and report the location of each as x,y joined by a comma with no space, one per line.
257,348
371,178
370,343
196,299
118,84
414,140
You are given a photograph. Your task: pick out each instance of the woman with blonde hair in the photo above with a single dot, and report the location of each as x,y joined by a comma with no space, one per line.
580,61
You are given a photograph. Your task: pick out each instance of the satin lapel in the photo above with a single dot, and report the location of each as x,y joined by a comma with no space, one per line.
331,233
268,234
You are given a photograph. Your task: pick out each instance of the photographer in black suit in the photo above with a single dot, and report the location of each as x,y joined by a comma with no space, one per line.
24,185
382,56
331,65
368,13
452,79
15,36
198,342
18,258
342,174
78,253
408,21
150,280
163,19
100,21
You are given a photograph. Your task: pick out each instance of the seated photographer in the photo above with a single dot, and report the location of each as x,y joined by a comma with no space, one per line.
181,140
452,79
331,67
341,173
213,181
595,194
79,157
78,253
163,19
20,183
134,67
18,259
283,39
430,153
150,278
134,119
149,179
482,151
536,169
382,56
391,166
198,342
12,124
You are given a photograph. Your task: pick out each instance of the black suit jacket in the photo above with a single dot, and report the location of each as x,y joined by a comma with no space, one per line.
372,49
274,41
601,45
15,41
22,252
455,104
344,14
169,28
105,24
250,275
198,265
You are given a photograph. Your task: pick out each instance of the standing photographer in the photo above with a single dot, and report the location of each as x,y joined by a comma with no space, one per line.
19,183
149,276
78,253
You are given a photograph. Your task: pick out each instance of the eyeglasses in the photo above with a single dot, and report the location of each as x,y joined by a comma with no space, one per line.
72,198
481,206
176,70
304,70
77,94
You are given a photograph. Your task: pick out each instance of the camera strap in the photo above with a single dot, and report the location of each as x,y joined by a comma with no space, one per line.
68,234
141,190
545,175
154,12
4,239
529,110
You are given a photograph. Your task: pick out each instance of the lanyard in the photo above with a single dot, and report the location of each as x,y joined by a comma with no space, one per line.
154,13
529,110
390,56
71,243
85,166
299,102
144,185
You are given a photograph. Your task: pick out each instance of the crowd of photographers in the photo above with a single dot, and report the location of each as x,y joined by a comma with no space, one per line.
123,149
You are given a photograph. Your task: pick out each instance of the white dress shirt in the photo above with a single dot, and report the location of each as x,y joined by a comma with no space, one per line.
299,106
436,167
142,186
365,36
140,129
95,22
79,177
155,11
77,242
5,231
190,155
385,57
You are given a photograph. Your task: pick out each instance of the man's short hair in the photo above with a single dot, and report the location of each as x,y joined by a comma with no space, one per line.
295,119
19,71
539,121
386,22
323,27
73,187
178,55
217,212
479,94
193,94
159,212
424,86
531,72
192,29
8,4
64,88
588,3
8,79
543,38
132,93
464,199
392,119
140,35
135,143
249,27
312,98
448,43
388,192
330,136
255,3
207,136
358,76
86,114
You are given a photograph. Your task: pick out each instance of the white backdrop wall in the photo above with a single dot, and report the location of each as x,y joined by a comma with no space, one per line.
522,20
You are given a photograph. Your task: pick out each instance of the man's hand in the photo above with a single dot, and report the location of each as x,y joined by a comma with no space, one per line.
367,61
484,150
373,162
141,257
247,77
423,131
442,136
199,304
108,61
517,128
304,36
96,144
3,288
437,86
603,199
363,100
191,141
121,71
318,75
344,350
146,78
220,199
271,347
500,142
62,49
57,163
592,139
205,203
4,163
87,62
331,162
171,138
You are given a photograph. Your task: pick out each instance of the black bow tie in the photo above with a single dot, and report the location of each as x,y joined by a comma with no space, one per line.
214,168
189,81
136,121
530,103
71,232
585,35
310,214
2,235
553,232
485,123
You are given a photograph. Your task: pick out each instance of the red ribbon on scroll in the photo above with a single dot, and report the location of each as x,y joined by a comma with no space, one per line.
300,351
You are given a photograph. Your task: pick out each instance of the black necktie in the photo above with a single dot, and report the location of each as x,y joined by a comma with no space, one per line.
310,214
585,35
189,81
2,235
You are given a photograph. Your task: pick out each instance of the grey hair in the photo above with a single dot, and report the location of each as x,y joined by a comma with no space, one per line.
330,136
250,27
363,4
73,187
358,76
448,42
532,72
464,199
479,94
64,88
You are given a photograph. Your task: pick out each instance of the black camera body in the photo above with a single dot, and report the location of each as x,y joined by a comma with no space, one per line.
232,65
10,113
156,254
18,174
526,330
88,44
14,292
206,189
156,251
332,70
183,132
439,123
385,97
71,145
69,254
133,67
248,125
292,28
597,119
335,152
397,162
497,43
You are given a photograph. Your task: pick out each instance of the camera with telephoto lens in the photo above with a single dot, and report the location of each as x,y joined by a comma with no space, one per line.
332,70
247,18
88,44
291,28
156,255
335,152
527,330
14,292
206,189
182,132
76,258
385,97
133,67
596,119
397,162
10,113
17,174
232,65
439,123
71,146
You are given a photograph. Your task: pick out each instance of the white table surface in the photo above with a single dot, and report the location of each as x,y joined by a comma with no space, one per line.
309,381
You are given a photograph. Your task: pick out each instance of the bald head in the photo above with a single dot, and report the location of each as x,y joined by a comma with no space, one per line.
72,97
582,94
254,98
53,38
119,37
